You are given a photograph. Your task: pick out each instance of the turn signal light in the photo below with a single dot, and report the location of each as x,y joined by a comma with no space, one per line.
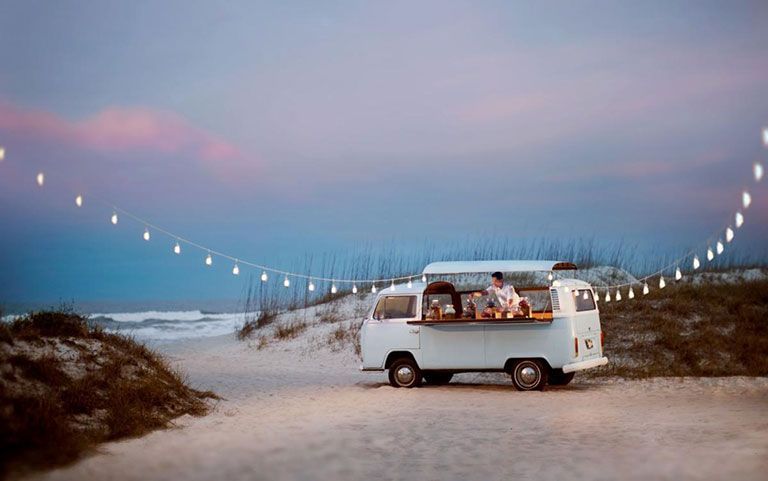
576,345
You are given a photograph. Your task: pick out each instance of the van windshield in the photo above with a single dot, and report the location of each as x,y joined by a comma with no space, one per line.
395,307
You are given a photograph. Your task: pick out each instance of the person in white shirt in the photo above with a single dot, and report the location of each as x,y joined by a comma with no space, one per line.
505,293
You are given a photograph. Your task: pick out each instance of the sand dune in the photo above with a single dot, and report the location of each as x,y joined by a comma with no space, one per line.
294,411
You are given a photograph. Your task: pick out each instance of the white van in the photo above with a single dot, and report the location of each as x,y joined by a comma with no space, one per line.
556,336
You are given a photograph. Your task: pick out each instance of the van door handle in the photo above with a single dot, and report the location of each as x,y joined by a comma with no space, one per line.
414,331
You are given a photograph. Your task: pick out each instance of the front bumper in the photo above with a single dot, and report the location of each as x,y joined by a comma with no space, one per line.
580,366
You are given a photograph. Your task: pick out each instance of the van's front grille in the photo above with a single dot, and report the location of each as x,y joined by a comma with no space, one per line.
555,300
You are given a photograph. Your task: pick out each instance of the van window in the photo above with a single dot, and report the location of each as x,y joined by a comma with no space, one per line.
395,307
585,301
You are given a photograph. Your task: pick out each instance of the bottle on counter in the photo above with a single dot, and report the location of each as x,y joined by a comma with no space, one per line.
450,312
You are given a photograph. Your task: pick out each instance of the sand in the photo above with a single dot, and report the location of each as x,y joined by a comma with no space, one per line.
298,411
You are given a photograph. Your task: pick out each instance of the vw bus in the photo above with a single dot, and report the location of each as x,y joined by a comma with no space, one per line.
547,343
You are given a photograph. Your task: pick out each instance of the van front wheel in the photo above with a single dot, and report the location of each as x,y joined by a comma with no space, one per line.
404,372
529,375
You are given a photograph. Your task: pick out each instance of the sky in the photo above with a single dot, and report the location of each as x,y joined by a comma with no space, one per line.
270,130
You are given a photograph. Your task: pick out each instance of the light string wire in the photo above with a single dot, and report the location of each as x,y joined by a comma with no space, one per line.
758,174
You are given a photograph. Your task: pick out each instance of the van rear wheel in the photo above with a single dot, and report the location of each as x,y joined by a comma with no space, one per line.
404,372
438,378
559,378
529,375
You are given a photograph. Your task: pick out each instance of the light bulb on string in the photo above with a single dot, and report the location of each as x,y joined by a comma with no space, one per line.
177,248
618,295
631,294
146,234
586,295
696,262
608,295
264,276
550,276
236,269
334,289
40,179
710,254
286,282
720,247
392,287
410,283
209,260
311,286
678,274
2,154
424,278
738,219
662,282
113,219
373,288
757,170
79,200
646,290
746,199
765,136
728,234
354,289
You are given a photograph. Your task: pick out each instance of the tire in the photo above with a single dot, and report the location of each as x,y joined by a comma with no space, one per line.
438,378
559,378
404,372
529,375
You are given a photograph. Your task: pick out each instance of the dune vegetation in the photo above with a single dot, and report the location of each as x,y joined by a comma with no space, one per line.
67,386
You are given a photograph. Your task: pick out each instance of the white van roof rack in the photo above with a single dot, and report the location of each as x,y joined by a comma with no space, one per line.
462,267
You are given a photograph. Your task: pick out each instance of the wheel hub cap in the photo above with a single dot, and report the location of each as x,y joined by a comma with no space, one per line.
527,375
404,375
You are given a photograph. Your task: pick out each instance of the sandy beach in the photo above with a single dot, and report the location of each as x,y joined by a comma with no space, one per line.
298,410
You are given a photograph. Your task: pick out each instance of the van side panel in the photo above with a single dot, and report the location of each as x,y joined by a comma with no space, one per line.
551,341
452,347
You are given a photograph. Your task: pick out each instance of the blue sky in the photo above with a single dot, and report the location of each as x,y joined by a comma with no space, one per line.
273,129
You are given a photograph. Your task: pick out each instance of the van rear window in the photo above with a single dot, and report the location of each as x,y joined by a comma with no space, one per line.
585,301
395,307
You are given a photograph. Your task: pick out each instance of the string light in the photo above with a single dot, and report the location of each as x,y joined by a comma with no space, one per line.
728,234
586,295
354,289
696,262
113,219
79,200
410,283
739,219
678,274
146,235
177,248
334,290
424,278
618,295
373,288
264,276
2,154
646,290
746,199
311,286
40,179
720,247
208,260
710,254
392,287
662,282
607,295
765,136
550,276
236,269
286,282
631,294
757,170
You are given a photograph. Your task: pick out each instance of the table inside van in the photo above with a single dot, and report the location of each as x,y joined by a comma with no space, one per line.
516,320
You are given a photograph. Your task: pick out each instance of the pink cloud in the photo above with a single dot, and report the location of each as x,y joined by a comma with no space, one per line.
119,129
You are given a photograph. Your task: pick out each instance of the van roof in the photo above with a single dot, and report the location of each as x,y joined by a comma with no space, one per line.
462,267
